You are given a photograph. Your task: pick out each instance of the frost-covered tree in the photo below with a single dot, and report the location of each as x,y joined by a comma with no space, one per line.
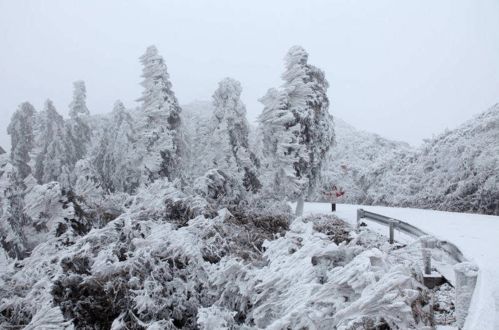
115,158
12,217
79,127
53,163
297,128
160,123
229,139
21,135
197,128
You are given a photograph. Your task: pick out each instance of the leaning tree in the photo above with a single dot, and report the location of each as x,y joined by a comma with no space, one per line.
297,129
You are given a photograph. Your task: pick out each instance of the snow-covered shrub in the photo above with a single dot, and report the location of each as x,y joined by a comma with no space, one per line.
444,304
163,200
49,210
336,229
233,270
218,188
214,317
307,281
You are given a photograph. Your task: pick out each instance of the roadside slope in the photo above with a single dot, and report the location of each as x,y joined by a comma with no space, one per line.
474,234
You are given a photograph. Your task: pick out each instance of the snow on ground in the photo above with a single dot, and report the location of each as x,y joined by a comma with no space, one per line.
476,235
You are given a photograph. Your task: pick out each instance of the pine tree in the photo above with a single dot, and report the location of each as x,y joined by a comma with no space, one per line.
53,162
116,159
160,126
79,127
21,134
197,127
297,128
78,106
230,145
12,217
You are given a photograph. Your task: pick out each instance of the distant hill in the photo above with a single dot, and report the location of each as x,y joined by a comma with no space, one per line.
455,171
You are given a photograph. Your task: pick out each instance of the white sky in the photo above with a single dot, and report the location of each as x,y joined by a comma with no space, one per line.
403,69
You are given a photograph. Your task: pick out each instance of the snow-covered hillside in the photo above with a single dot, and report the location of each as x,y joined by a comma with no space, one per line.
455,171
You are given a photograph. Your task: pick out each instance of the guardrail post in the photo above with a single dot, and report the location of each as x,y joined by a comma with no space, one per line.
360,215
427,243
426,261
466,276
391,228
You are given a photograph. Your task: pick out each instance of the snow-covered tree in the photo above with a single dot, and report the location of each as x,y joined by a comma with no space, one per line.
12,217
21,135
229,139
53,163
78,106
79,127
115,158
297,129
87,183
197,128
160,123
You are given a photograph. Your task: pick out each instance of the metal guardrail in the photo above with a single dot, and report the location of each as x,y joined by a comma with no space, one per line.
408,229
384,220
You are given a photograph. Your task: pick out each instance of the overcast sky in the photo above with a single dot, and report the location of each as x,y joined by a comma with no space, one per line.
403,69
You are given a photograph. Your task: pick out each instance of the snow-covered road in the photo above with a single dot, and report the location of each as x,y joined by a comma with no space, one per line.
476,235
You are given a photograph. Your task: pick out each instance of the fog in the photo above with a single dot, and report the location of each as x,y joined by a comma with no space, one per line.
403,69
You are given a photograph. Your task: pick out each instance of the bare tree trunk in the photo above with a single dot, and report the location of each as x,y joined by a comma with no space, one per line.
299,206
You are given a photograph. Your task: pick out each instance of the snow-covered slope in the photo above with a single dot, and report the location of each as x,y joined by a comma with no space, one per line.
172,261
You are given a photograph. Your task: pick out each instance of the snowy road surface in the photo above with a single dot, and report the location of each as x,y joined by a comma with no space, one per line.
476,235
